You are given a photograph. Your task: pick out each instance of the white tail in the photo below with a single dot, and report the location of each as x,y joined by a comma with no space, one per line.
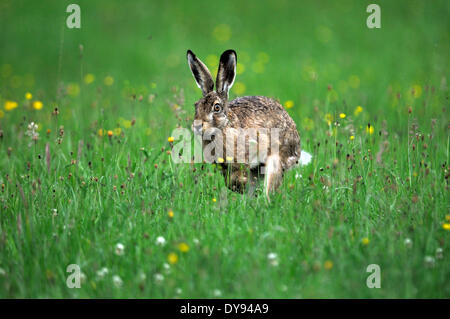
305,158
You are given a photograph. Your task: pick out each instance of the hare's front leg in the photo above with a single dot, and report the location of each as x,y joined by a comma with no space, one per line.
273,174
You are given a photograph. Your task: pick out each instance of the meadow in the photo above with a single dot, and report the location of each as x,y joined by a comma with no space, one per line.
86,171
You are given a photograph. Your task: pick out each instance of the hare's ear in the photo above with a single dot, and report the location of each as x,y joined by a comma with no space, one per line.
200,72
226,73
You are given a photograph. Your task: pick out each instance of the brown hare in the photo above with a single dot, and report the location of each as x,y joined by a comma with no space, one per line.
242,126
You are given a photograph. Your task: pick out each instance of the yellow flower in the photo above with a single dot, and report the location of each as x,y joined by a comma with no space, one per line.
446,226
183,247
10,105
28,96
222,33
170,213
220,160
170,139
328,118
229,158
89,78
365,241
358,110
369,129
109,80
100,132
172,258
288,104
117,131
37,105
239,88
240,68
214,200
352,137
328,265
416,91
354,81
342,115
73,89
110,133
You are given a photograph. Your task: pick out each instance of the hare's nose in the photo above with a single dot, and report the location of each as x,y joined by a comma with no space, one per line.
197,127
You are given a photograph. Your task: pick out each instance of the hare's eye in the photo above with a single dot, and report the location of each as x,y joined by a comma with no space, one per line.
217,108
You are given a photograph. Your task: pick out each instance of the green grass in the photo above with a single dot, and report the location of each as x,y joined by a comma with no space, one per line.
106,190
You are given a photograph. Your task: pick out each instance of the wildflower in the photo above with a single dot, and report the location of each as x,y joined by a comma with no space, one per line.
229,158
160,241
102,272
100,132
239,88
110,133
37,105
214,200
158,277
32,132
429,261
369,129
166,267
117,281
288,104
352,137
183,247
196,241
217,293
408,243
28,96
273,259
178,291
10,105
328,265
354,81
439,253
170,139
222,33
120,249
446,226
342,115
170,213
89,78
220,160
109,80
172,258
358,110
328,118
365,241
117,131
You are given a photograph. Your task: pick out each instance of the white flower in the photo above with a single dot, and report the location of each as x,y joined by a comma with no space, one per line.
120,249
178,291
196,241
2,272
273,259
429,261
166,267
408,243
160,241
158,277
439,253
217,293
142,276
117,281
102,272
